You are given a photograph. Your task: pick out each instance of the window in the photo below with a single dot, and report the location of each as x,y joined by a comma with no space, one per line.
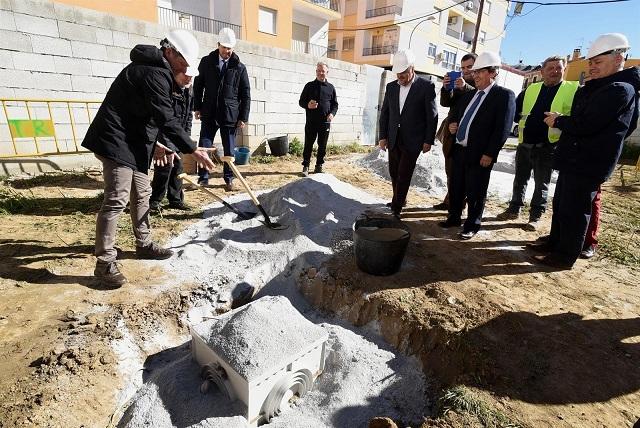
376,41
350,7
331,44
487,7
483,36
267,20
449,60
431,50
347,43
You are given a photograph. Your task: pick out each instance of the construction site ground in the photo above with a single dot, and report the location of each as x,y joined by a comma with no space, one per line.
508,342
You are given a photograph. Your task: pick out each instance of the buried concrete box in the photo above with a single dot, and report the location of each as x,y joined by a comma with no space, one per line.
264,354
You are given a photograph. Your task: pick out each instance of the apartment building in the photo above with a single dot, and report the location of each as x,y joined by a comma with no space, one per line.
370,31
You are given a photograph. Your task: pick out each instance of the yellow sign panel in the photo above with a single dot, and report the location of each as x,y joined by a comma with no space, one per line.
31,128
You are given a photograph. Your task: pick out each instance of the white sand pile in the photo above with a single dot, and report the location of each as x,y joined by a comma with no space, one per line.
363,377
259,336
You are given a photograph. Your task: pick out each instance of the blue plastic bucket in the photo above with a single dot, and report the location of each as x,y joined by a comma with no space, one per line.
242,155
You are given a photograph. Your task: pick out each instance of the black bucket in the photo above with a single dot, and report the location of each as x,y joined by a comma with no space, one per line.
379,244
279,146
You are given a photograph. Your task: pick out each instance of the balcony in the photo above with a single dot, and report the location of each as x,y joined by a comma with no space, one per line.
379,50
388,10
178,19
454,34
310,48
475,7
327,4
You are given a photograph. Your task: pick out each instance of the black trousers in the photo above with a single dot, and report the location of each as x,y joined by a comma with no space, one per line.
313,131
402,162
468,180
166,182
572,202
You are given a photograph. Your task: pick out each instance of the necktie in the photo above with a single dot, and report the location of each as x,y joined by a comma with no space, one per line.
224,67
462,128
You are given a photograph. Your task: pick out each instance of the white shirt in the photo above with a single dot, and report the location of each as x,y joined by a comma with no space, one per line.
486,90
404,91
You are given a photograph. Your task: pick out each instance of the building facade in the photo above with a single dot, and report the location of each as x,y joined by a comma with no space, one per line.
370,31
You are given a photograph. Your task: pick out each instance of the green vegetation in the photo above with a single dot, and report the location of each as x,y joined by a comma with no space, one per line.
296,147
459,400
264,159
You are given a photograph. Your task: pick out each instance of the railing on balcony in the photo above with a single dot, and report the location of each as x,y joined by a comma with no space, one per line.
328,4
454,34
176,18
387,10
310,48
379,50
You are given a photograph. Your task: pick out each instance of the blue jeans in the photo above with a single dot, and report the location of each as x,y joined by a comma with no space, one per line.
228,136
539,159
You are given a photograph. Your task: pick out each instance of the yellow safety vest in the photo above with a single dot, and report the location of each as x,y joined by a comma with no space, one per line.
561,104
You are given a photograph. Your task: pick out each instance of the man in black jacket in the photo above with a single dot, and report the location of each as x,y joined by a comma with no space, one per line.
449,98
408,121
222,100
603,114
320,102
123,134
481,122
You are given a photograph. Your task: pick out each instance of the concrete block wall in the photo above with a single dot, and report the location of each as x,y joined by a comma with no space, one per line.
54,51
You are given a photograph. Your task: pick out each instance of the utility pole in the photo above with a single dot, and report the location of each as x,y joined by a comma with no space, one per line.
475,34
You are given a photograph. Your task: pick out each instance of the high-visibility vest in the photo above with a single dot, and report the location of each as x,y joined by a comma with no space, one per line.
561,104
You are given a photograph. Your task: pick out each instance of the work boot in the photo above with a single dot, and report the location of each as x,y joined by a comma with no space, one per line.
154,208
179,206
305,171
108,275
153,252
317,169
230,187
508,214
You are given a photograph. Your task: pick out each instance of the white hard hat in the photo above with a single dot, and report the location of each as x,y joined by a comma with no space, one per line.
185,43
227,38
402,60
608,42
487,59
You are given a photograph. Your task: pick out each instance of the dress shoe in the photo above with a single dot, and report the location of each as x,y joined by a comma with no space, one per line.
154,208
441,206
108,275
203,181
554,261
396,215
305,171
449,223
467,235
543,238
508,215
388,204
153,252
179,206
588,252
541,247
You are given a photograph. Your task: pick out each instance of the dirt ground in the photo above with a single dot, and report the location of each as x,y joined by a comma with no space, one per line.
509,343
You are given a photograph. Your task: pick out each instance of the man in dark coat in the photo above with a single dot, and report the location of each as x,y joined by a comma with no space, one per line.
123,134
603,114
320,102
408,121
481,122
222,100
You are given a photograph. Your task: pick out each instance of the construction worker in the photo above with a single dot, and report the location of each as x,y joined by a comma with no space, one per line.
221,100
123,135
536,141
449,98
604,113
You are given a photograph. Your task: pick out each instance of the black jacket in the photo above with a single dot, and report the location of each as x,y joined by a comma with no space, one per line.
491,124
226,100
419,119
325,94
182,100
137,106
603,114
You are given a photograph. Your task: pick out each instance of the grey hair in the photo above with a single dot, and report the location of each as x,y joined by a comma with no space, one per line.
322,63
554,58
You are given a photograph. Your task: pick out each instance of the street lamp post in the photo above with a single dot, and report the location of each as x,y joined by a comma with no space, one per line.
428,18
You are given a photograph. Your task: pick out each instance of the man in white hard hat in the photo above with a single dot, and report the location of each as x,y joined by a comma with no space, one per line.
604,113
222,100
481,122
408,122
123,134
536,141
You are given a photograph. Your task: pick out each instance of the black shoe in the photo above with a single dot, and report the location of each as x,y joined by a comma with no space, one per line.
203,181
450,223
317,169
154,208
153,252
305,171
396,215
541,247
108,275
554,261
388,204
179,206
441,206
543,238
467,235
588,252
508,215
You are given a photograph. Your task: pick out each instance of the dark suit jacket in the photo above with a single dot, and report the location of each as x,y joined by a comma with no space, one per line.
419,119
491,125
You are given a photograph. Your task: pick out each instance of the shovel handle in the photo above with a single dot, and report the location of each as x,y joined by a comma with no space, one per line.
230,161
188,179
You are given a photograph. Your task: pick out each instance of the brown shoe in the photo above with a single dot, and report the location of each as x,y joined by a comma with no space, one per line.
153,252
108,275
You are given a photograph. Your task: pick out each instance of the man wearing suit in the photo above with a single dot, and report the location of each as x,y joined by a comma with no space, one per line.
481,122
408,122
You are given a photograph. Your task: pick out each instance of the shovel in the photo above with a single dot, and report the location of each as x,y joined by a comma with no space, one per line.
271,225
242,214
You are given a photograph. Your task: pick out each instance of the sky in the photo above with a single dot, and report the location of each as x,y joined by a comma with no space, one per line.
558,30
